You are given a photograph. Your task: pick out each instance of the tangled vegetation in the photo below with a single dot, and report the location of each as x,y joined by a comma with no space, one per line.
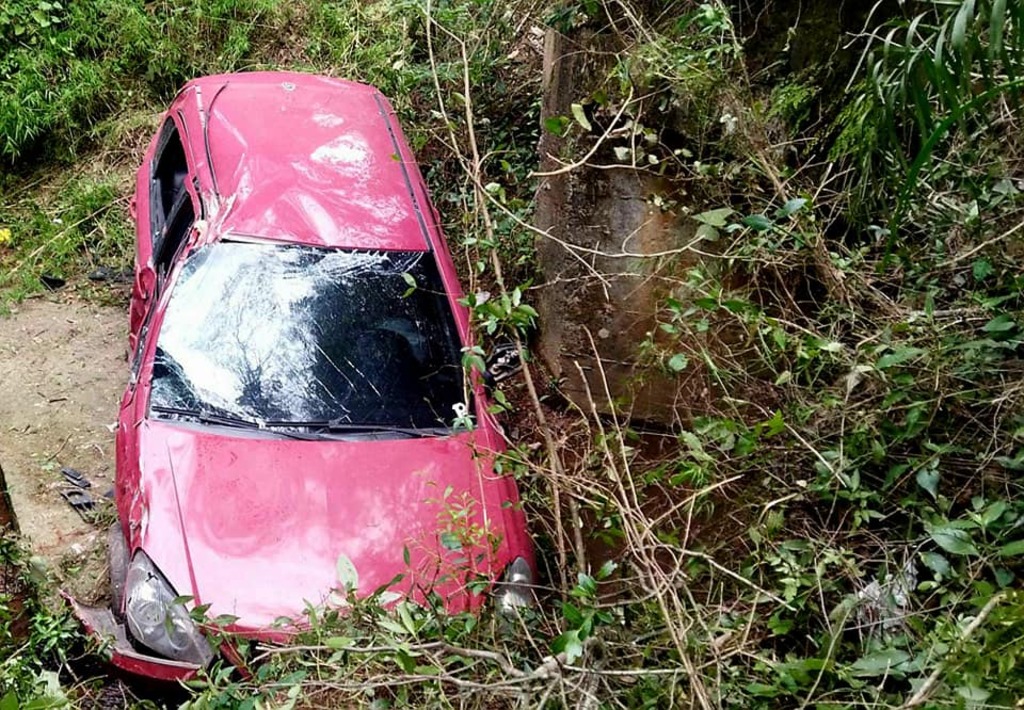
844,527
33,635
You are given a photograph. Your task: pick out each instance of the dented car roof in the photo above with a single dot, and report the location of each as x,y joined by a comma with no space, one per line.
299,158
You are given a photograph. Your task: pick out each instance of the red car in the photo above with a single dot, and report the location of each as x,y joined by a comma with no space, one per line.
298,425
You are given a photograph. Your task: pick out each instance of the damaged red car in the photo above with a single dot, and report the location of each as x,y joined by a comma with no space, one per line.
298,425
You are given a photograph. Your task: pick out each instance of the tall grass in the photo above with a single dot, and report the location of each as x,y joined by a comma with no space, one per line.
931,77
64,68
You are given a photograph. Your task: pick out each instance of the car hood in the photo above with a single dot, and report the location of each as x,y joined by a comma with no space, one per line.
259,528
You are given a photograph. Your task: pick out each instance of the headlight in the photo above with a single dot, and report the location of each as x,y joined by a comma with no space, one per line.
156,621
516,589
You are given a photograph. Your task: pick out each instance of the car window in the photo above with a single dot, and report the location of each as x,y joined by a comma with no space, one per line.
172,211
170,170
299,334
173,233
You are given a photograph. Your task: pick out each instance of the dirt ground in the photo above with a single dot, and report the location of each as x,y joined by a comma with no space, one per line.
62,371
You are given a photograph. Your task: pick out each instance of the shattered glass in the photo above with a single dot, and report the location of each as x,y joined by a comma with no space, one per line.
301,334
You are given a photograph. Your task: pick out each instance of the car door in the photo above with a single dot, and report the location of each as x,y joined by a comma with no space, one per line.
166,208
165,214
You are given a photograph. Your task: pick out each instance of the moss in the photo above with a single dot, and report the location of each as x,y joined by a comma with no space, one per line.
792,103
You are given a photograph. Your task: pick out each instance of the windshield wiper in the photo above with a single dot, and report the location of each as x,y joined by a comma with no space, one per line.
337,426
207,417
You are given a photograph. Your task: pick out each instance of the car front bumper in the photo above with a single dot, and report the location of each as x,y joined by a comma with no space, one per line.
100,623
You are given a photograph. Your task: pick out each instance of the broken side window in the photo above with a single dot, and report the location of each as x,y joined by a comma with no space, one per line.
172,211
170,171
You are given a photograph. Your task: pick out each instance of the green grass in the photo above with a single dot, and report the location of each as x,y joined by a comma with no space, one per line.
82,224
34,638
934,80
83,61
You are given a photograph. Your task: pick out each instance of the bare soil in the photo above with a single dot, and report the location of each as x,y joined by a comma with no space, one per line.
62,371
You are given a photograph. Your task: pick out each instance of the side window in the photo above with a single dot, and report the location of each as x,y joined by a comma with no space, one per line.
169,174
172,211
172,236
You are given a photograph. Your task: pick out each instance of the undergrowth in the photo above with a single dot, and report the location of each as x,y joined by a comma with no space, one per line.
842,527
36,639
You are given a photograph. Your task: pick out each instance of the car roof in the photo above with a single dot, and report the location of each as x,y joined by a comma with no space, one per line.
308,159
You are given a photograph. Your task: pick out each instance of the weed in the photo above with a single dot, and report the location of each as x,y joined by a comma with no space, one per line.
33,637
930,81
84,226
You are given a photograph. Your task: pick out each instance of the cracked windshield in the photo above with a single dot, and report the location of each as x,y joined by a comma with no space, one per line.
302,334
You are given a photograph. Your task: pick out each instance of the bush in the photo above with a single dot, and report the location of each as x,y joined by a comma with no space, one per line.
64,67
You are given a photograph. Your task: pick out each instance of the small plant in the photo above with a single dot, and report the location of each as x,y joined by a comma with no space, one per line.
33,637
932,81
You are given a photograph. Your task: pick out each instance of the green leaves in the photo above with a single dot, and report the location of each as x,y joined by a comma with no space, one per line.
711,221
581,117
508,311
952,539
791,207
586,587
473,359
1012,549
958,38
928,479
1003,323
450,541
757,222
938,564
570,644
557,125
898,356
715,218
981,269
582,616
997,27
410,280
338,642
347,576
678,362
973,694
888,661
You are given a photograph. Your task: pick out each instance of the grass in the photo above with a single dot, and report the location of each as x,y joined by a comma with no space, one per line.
80,225
33,636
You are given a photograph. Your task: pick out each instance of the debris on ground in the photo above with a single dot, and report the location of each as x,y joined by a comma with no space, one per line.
108,274
75,477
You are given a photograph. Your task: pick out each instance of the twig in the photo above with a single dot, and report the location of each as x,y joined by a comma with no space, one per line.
929,684
971,252
474,170
582,161
500,659
56,453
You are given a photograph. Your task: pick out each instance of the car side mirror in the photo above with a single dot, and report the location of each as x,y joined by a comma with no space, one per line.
503,361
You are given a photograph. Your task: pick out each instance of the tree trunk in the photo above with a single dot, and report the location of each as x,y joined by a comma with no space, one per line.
13,589
8,521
